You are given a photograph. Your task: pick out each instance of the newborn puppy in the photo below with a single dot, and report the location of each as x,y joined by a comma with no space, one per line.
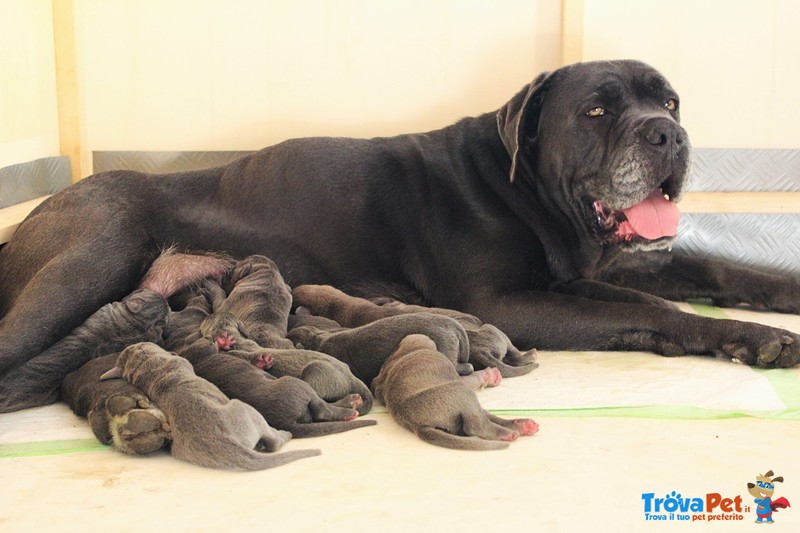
195,304
489,347
119,413
140,316
330,378
364,349
207,428
260,300
286,403
423,392
222,331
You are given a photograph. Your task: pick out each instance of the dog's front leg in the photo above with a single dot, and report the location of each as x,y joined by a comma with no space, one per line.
563,322
680,277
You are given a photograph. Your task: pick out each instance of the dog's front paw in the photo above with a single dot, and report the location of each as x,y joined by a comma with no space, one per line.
764,347
136,426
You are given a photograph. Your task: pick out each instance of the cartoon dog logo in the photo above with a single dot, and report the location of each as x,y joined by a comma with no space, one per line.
763,489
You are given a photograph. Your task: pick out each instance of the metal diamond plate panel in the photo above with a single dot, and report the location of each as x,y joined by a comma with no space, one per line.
766,242
155,162
26,181
728,170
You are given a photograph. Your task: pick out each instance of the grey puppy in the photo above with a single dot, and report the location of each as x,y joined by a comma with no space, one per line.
364,349
423,392
329,377
140,316
207,428
260,300
286,403
119,413
488,346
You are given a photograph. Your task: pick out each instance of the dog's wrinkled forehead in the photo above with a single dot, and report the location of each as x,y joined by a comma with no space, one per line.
611,83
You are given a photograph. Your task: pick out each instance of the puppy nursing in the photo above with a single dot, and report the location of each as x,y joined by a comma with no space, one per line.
424,393
246,372
207,428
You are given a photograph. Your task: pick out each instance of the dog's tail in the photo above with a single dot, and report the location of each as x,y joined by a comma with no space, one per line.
319,429
509,371
438,437
253,460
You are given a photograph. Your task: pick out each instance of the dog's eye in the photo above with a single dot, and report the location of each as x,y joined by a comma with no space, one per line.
596,112
671,104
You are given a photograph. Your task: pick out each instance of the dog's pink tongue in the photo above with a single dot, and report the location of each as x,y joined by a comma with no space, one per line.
655,217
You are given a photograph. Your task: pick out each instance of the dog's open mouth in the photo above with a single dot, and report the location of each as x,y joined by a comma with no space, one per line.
654,218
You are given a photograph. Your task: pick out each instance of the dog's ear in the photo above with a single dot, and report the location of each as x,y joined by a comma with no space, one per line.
779,479
769,474
519,118
114,373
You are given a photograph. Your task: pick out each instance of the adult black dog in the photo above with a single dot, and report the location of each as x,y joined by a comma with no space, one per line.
522,217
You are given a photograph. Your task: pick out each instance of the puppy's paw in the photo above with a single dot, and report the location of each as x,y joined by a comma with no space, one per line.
490,377
136,426
351,401
263,361
526,426
225,340
509,436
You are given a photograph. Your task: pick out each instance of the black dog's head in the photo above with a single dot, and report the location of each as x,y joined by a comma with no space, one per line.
601,143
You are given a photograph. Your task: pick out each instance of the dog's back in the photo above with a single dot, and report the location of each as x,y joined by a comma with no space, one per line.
207,428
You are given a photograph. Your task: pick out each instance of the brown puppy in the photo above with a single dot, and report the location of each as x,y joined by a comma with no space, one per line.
207,428
489,347
424,394
119,413
286,403
364,349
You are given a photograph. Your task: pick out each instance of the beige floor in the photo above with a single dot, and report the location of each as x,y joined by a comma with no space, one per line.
580,473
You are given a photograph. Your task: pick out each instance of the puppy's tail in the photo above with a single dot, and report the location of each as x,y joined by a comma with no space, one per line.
318,429
253,460
509,371
438,437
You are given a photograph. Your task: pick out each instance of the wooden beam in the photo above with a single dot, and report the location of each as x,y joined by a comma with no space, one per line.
67,85
571,31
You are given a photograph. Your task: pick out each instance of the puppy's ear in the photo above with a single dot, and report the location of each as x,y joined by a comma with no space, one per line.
114,373
769,474
519,118
779,479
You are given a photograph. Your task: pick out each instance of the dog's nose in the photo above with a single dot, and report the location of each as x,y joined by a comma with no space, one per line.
664,132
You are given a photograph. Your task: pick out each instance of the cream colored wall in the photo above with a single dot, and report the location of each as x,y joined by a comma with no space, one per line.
734,62
243,74
28,108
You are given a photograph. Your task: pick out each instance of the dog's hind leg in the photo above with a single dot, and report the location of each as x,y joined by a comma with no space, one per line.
523,426
47,294
479,425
